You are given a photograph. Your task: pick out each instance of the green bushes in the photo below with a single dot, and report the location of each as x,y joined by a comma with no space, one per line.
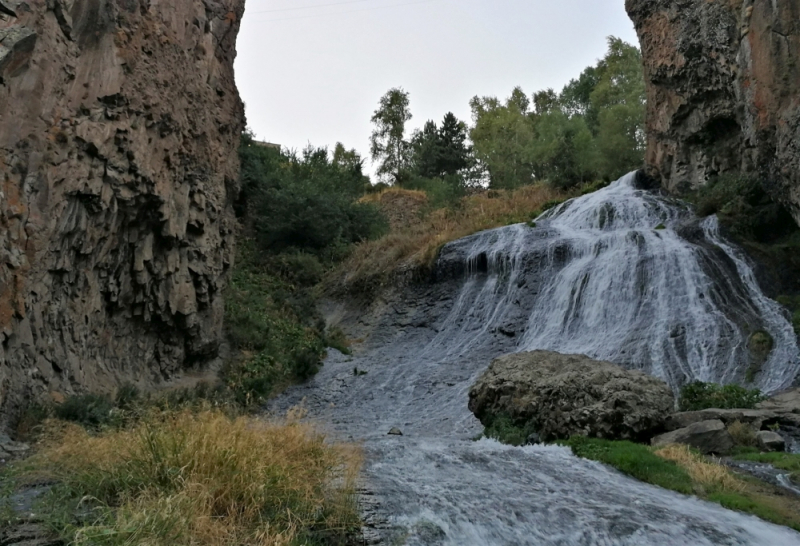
301,214
305,202
699,396
274,322
503,429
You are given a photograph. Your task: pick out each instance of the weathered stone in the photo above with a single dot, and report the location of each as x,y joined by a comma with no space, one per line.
723,81
770,441
395,432
706,436
755,418
118,170
16,47
785,402
563,395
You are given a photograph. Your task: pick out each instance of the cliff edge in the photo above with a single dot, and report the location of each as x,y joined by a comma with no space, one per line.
119,124
723,89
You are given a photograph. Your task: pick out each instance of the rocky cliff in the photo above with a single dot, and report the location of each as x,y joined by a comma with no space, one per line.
723,87
119,123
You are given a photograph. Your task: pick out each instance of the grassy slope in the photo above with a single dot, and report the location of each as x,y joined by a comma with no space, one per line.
415,245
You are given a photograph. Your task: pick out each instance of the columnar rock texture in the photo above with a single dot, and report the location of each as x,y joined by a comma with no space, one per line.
723,90
119,123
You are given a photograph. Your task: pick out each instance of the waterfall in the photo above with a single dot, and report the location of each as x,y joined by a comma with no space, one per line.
596,275
623,275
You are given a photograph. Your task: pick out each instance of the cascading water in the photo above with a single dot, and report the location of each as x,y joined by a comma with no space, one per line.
596,275
627,276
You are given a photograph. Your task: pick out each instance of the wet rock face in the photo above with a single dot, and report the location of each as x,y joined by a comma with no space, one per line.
560,396
119,123
722,87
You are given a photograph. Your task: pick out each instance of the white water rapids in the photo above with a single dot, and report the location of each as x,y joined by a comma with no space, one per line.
594,276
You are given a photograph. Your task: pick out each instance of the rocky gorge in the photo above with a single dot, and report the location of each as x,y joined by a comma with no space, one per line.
119,124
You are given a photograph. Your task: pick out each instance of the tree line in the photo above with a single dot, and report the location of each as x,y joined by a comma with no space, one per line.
592,130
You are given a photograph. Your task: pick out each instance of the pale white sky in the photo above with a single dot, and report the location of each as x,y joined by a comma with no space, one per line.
312,71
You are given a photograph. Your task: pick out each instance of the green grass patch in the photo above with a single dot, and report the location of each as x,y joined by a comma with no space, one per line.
792,303
686,471
635,460
766,508
785,461
699,396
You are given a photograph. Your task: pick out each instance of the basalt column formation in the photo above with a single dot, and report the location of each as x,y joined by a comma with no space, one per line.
119,123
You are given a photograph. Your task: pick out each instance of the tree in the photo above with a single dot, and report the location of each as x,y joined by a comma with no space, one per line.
387,143
619,99
441,152
455,154
502,137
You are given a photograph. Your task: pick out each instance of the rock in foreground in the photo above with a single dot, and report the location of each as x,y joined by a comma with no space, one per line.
565,395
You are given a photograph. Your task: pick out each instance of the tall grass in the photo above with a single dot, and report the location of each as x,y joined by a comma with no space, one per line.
416,245
190,478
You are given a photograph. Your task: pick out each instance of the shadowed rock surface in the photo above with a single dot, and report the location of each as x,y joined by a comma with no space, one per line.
723,91
119,123
560,396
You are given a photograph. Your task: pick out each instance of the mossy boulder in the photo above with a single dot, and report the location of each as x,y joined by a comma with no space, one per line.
558,396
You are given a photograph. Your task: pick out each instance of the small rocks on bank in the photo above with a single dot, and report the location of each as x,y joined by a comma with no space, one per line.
706,436
559,396
770,441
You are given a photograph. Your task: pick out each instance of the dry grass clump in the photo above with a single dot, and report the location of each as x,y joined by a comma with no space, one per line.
742,433
702,471
199,478
401,207
417,245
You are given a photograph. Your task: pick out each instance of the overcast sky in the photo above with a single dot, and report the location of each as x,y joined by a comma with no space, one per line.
312,71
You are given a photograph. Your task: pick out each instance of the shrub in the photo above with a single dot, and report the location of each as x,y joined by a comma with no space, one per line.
274,324
699,396
305,202
743,434
204,478
89,410
504,429
792,303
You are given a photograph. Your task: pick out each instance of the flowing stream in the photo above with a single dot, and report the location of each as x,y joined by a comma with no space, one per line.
621,275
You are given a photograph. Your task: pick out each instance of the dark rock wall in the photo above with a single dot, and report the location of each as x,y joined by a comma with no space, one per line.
723,85
119,123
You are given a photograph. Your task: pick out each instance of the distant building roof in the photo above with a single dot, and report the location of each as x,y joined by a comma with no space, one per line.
267,144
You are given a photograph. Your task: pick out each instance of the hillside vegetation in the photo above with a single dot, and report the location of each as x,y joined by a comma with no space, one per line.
414,246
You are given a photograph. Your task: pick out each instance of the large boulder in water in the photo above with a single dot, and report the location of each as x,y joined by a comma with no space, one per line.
565,395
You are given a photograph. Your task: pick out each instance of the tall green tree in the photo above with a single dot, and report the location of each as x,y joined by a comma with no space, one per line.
502,137
387,143
440,152
619,99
